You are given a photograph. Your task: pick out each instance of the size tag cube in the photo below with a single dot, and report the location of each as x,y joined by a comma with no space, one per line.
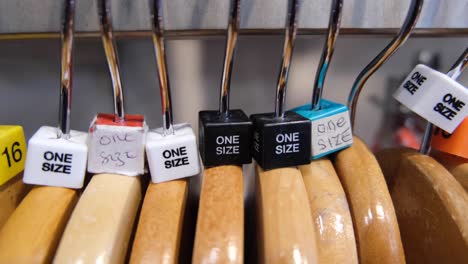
56,161
13,152
435,97
281,142
225,139
331,127
117,147
172,157
455,143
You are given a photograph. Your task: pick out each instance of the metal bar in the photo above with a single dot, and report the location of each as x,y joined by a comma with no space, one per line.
405,31
112,58
327,53
290,37
161,65
193,34
231,43
66,73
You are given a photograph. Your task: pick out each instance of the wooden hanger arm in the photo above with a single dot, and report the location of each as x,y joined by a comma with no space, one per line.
285,225
33,231
159,230
101,224
457,166
330,213
11,195
431,207
375,222
219,236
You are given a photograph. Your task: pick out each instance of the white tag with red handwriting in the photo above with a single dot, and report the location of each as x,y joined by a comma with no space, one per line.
434,96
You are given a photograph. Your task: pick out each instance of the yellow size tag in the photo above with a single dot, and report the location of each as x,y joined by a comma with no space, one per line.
12,152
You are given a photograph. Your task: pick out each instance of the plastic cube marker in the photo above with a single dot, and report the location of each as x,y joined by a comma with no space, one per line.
331,127
56,161
172,156
225,139
117,146
280,142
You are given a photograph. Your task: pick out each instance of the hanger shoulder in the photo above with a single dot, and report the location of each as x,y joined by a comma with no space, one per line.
330,213
285,224
101,224
457,166
160,224
431,207
33,231
376,226
11,194
219,234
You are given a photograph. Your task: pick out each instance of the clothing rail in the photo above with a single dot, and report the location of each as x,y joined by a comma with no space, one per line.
185,18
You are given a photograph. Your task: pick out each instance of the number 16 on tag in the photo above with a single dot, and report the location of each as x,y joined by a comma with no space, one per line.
13,152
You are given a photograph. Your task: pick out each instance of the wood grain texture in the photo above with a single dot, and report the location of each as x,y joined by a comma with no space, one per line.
11,194
33,231
286,232
330,213
219,236
431,207
159,230
457,166
101,224
375,223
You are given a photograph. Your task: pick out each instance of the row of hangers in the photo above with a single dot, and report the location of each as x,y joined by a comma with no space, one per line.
347,207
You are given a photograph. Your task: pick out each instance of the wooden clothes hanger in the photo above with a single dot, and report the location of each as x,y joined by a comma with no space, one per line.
457,166
328,203
219,236
429,201
101,225
286,232
375,222
159,232
330,212
32,233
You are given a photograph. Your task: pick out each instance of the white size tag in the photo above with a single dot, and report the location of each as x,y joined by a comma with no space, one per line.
117,149
56,161
435,97
174,156
330,134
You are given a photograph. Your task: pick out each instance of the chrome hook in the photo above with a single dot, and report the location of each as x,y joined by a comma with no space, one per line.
455,71
231,44
405,31
107,35
327,53
156,10
67,35
290,33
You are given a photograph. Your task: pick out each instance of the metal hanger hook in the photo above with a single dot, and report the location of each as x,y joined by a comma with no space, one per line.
290,33
327,53
67,36
405,31
156,10
455,71
108,41
231,44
